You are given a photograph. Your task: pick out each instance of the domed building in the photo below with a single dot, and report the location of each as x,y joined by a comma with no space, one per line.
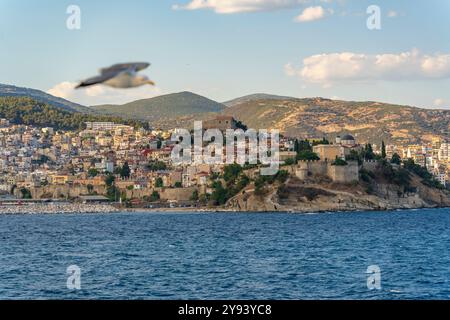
341,148
348,140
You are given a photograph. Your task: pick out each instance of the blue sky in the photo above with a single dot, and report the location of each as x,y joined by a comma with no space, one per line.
226,49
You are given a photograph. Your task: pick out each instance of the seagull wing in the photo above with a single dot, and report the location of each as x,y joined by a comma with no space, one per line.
113,71
98,79
135,66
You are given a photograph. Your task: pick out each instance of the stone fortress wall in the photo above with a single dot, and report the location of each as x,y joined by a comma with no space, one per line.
343,174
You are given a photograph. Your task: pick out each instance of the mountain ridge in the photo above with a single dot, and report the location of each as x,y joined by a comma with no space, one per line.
256,96
41,96
368,121
163,107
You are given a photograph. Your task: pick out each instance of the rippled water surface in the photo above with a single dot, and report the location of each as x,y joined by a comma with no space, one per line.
227,256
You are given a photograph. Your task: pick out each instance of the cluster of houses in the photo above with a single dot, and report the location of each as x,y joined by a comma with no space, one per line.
67,164
64,164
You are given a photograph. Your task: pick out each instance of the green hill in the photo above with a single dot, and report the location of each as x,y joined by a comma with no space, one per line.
163,107
40,96
22,110
256,96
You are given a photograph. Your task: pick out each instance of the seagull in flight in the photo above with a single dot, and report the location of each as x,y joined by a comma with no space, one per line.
122,75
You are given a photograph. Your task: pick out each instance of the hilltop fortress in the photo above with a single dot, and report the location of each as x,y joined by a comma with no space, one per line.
343,174
325,166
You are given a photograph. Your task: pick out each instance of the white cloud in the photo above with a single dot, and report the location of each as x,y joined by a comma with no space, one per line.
438,102
311,14
290,70
392,14
237,6
100,94
327,69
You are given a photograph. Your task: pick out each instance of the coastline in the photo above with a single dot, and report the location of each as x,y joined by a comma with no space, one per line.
223,210
55,209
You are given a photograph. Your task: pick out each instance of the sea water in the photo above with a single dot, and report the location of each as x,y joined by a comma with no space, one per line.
226,255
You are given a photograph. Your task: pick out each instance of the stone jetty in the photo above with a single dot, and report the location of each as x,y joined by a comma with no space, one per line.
57,208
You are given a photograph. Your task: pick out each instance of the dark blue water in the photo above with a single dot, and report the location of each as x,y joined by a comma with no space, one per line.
227,256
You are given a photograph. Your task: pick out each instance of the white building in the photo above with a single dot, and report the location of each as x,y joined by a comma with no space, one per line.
100,126
444,154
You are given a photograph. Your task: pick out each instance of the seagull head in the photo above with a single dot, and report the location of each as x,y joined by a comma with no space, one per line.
143,80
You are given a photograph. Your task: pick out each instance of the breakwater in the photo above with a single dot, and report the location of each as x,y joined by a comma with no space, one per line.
57,208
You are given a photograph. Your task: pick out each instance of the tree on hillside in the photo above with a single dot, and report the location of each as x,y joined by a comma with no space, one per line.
354,156
92,172
306,155
27,111
194,196
289,161
178,184
159,183
154,196
282,176
427,178
125,171
111,190
156,166
26,194
323,141
243,182
396,159
109,180
260,184
368,153
339,162
302,145
383,150
219,195
231,172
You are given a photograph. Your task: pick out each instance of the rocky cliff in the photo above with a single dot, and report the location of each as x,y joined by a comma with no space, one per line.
318,195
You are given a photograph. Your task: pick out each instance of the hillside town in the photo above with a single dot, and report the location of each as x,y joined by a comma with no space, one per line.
116,163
